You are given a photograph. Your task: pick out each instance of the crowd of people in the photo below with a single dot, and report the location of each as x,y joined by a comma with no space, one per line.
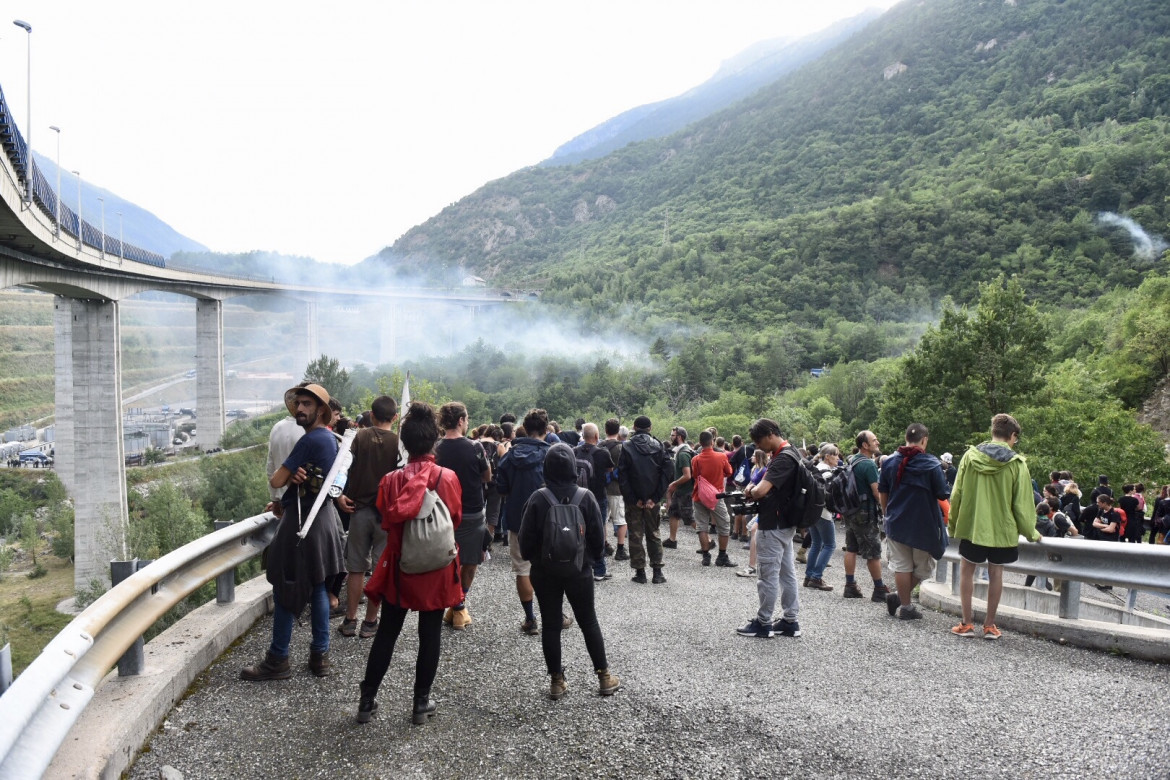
554,499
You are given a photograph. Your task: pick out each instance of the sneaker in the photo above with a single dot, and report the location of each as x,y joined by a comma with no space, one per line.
566,621
608,550
880,594
530,627
639,577
817,583
852,591
991,632
786,628
964,629
658,579
724,561
706,559
602,577
909,612
461,619
893,601
369,628
621,554
348,627
756,629
670,544
746,571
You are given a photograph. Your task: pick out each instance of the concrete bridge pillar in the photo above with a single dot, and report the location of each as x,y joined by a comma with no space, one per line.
306,347
63,455
388,334
99,461
209,385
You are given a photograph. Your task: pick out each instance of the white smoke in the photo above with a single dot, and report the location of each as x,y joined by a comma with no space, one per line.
1145,246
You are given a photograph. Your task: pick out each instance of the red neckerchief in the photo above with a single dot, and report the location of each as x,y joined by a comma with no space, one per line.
783,444
907,451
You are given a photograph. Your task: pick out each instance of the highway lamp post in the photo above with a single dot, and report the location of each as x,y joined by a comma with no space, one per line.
28,141
102,201
78,175
57,194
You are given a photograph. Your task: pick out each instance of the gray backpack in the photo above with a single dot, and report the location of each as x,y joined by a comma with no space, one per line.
428,541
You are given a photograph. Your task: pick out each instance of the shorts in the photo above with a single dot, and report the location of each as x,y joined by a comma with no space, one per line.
520,567
682,506
718,517
469,539
366,539
977,553
905,559
861,536
617,510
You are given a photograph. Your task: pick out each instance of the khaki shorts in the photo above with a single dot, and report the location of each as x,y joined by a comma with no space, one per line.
366,539
905,559
704,517
617,510
520,567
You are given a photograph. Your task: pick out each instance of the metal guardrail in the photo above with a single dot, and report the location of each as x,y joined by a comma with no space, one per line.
44,702
1137,567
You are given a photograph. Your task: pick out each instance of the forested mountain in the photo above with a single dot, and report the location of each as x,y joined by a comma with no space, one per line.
948,142
739,77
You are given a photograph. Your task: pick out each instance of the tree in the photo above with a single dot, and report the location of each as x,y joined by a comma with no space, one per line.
328,373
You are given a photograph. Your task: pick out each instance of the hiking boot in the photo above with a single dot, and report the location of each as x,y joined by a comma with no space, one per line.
786,628
879,594
964,629
530,627
639,577
607,684
319,664
461,619
608,550
449,615
621,554
348,627
368,629
367,706
909,612
670,544
802,555
991,632
724,561
271,668
424,707
658,578
852,591
755,628
558,686
746,571
566,621
893,601
806,581
706,559
817,584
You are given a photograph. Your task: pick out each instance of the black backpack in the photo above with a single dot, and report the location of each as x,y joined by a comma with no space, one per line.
841,494
562,547
584,469
807,501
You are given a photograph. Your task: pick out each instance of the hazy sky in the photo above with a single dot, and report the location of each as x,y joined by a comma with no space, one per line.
282,126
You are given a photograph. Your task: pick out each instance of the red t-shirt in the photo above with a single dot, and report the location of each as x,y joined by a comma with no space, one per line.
712,466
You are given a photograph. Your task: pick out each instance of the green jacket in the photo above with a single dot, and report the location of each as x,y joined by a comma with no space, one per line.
991,502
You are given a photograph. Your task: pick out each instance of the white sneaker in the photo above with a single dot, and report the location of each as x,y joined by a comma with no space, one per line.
747,571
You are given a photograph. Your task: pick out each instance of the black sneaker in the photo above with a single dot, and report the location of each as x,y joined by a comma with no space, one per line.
786,628
659,579
909,612
639,577
670,544
608,550
755,628
366,709
706,559
621,554
892,603
724,561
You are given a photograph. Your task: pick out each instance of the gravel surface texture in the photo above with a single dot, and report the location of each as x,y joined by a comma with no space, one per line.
859,695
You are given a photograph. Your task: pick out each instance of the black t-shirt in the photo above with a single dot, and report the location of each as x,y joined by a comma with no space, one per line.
781,472
465,457
572,438
602,462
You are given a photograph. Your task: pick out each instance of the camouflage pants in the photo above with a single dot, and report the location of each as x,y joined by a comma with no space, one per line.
642,525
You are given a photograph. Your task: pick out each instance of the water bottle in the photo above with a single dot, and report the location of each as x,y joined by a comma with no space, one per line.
342,476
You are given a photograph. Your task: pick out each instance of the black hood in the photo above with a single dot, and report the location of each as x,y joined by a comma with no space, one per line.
560,465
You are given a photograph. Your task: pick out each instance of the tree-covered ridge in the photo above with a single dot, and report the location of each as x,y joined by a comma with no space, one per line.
992,152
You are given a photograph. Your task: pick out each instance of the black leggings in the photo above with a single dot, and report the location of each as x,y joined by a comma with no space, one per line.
430,627
550,592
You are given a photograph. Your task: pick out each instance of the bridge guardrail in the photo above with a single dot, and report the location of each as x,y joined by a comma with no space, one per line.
44,702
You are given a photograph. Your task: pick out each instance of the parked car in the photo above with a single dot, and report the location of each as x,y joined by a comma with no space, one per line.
186,411
237,413
190,374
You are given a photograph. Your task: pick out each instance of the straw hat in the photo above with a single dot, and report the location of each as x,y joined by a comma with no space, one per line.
318,392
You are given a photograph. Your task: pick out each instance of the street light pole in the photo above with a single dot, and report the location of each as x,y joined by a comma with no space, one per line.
57,233
102,201
78,175
28,162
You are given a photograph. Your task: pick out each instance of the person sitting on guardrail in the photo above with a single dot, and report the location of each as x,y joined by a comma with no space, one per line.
991,507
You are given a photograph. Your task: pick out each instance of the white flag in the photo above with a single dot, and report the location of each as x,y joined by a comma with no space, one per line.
403,457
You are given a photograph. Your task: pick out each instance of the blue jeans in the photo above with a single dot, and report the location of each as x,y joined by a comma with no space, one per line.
282,624
599,564
824,539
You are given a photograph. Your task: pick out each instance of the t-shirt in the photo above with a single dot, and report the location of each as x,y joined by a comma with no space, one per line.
466,459
780,473
375,454
865,472
682,460
572,438
602,462
712,466
614,448
314,452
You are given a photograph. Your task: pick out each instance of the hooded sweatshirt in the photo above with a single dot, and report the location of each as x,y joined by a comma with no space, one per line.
991,502
521,475
560,477
913,516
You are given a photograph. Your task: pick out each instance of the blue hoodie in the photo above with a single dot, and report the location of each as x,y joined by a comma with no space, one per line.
521,474
913,516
